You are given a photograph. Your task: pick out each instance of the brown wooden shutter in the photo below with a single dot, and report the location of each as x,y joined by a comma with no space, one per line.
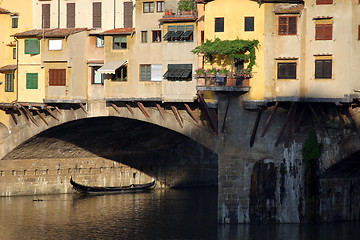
70,15
328,29
57,77
97,15
45,16
128,14
319,32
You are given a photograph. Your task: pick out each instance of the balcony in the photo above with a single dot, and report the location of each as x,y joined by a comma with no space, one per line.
223,84
180,16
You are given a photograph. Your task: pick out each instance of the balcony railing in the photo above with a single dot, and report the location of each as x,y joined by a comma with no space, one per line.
219,83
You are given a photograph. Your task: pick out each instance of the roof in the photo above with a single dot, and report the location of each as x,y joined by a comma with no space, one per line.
56,32
178,18
4,11
119,31
8,68
297,8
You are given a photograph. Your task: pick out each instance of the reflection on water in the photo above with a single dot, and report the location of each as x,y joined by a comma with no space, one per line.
162,214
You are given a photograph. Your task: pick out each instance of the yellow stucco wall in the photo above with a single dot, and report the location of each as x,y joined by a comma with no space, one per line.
234,13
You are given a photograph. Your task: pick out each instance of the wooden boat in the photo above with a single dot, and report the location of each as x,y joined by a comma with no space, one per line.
112,190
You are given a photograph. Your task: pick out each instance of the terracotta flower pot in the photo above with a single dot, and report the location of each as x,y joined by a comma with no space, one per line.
231,81
245,82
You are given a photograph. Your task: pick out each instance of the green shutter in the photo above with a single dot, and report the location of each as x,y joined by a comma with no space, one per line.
32,46
9,82
31,81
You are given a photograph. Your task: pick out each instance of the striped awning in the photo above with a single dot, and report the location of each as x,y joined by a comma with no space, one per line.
110,67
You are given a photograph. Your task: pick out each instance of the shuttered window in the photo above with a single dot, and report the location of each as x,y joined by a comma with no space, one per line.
9,82
45,16
249,23
286,70
70,15
128,14
15,22
219,24
145,72
57,77
32,46
97,15
319,2
287,25
323,69
31,81
143,36
323,32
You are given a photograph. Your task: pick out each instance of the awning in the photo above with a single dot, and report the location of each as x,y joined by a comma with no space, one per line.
110,67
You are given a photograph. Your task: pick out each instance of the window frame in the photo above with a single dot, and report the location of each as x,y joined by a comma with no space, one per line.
147,71
149,7
144,37
287,25
32,80
15,22
93,72
246,24
323,74
100,41
9,82
121,43
287,75
160,4
156,36
217,22
122,72
14,53
54,45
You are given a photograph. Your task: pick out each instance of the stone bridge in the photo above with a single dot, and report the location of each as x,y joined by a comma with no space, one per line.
261,175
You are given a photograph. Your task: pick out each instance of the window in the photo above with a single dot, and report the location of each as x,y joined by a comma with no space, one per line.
55,45
202,36
70,15
9,82
286,70
156,35
145,72
359,32
323,69
14,53
120,74
160,6
119,43
32,46
57,77
287,26
179,33
97,78
31,80
188,35
143,36
148,7
179,72
45,16
128,14
97,15
323,31
319,2
219,24
249,24
14,22
170,35
99,41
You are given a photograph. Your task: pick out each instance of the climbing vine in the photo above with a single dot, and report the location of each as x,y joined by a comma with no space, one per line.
241,49
310,150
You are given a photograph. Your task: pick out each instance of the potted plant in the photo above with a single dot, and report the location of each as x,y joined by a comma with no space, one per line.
243,75
230,80
211,72
187,7
223,72
200,72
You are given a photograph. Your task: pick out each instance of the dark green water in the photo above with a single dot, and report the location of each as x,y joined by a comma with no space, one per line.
167,214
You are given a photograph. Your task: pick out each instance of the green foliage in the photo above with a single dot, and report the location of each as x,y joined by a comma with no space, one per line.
310,150
241,49
186,5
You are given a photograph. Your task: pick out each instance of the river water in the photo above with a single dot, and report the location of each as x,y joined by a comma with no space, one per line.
161,214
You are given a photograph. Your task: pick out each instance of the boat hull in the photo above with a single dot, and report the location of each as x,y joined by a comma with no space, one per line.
112,190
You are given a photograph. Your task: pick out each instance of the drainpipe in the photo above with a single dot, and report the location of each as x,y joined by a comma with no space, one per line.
58,13
17,68
114,14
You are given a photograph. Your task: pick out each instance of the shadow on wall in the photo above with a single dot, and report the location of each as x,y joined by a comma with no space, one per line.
173,159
